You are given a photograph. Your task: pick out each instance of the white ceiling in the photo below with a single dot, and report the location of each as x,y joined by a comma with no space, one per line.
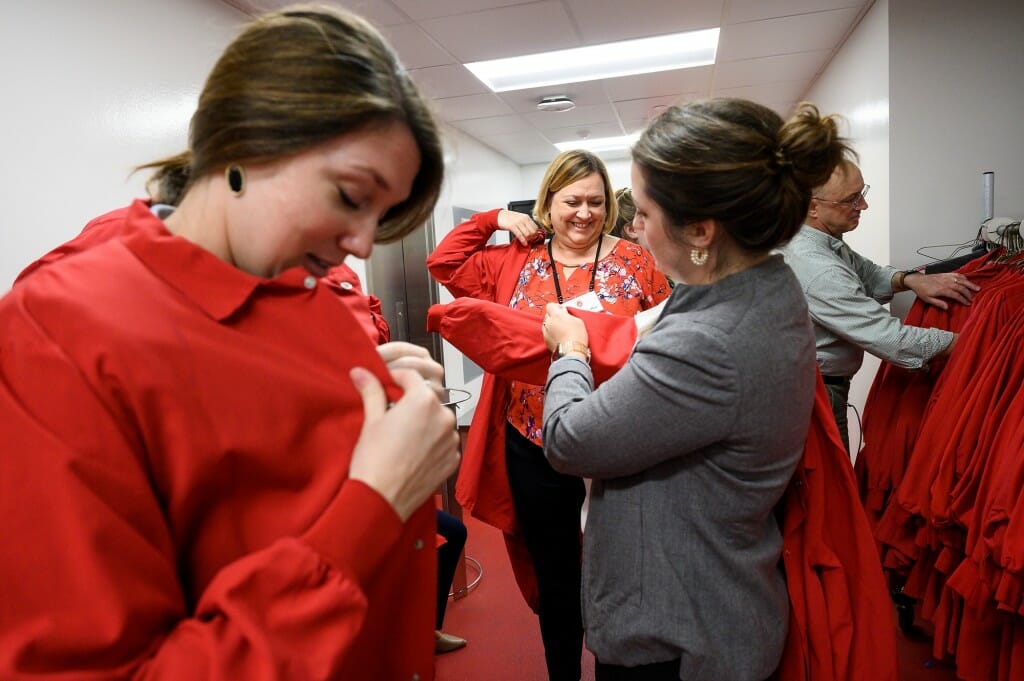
770,51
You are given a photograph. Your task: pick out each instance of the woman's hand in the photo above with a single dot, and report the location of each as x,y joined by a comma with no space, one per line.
407,451
520,225
560,327
402,355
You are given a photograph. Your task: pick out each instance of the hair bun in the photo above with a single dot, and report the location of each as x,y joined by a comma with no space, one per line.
780,158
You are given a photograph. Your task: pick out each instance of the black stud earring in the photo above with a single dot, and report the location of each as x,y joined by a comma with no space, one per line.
236,179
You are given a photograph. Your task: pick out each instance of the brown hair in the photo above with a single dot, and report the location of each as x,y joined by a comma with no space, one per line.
738,163
627,211
568,167
297,78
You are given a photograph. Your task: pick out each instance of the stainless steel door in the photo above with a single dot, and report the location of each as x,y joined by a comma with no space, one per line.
397,274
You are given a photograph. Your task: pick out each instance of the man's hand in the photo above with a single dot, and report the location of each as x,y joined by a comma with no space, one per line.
935,289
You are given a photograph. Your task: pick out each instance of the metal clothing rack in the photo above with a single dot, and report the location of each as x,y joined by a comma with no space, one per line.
952,264
995,233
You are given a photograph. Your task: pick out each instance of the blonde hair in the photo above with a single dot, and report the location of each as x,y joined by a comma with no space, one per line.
566,168
627,211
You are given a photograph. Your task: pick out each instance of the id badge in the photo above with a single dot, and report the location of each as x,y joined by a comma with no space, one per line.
588,301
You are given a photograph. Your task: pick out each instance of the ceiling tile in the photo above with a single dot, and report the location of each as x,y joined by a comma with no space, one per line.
523,147
419,9
659,84
417,49
763,93
780,68
377,12
581,115
634,125
589,93
770,51
644,109
602,21
595,131
447,81
738,11
494,125
380,13
504,32
799,33
471,106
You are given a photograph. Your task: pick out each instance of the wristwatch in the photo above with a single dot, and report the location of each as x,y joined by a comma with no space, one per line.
571,347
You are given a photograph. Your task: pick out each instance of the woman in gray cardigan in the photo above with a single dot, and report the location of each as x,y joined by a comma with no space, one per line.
693,442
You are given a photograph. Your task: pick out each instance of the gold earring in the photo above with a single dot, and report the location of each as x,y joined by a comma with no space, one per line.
699,256
235,176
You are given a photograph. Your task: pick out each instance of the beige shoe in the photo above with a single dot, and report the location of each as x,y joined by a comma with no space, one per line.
446,643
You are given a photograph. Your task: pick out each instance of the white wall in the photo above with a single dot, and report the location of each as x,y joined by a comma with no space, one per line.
92,89
957,81
855,85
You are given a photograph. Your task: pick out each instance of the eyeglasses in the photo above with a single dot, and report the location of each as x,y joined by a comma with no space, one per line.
849,203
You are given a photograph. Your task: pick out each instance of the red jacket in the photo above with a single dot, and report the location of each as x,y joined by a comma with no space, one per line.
174,478
341,279
483,456
840,626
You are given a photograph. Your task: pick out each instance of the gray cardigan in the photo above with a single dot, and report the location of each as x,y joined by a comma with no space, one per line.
690,445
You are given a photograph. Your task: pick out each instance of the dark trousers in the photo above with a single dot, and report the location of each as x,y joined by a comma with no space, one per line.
838,389
659,671
454,532
548,505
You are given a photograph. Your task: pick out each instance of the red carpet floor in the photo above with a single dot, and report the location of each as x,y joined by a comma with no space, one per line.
503,634
504,638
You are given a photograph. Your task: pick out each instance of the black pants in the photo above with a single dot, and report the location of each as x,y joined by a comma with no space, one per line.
548,508
659,671
838,389
454,532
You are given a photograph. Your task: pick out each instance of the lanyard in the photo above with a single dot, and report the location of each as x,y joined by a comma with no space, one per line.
593,272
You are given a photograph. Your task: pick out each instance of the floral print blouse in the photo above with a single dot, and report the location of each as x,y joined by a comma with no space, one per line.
625,282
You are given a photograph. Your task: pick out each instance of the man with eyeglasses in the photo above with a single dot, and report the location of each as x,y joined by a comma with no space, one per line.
845,293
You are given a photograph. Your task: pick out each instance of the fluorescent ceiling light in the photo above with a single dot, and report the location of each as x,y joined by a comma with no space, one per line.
611,60
599,144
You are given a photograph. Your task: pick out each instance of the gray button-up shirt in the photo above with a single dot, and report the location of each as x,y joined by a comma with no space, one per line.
845,293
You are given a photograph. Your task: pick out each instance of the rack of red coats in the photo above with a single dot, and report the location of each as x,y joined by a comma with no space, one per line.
941,476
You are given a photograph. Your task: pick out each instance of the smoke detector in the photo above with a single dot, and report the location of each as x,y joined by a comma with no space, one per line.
556,103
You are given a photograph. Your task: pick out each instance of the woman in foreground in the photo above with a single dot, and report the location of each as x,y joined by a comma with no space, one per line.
693,442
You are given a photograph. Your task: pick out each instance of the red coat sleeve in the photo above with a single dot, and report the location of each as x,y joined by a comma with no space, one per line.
509,343
464,263
92,586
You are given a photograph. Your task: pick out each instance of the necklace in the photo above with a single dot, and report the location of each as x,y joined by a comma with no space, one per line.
554,270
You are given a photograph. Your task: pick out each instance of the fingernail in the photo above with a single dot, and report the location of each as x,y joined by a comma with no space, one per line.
359,376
